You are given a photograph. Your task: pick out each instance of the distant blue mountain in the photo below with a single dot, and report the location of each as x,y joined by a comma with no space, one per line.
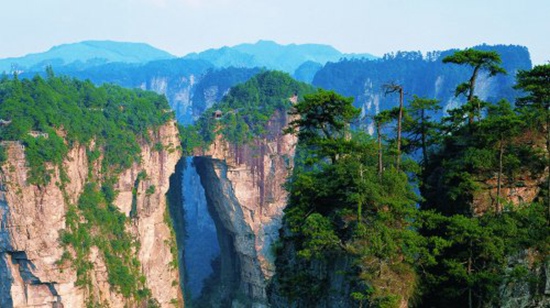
84,55
271,55
306,72
422,75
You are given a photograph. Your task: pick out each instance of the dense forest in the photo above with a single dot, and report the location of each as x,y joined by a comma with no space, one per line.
357,233
47,117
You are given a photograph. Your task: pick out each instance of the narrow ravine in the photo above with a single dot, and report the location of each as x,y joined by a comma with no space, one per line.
201,245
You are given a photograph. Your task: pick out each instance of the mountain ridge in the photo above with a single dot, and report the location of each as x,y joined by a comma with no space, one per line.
271,55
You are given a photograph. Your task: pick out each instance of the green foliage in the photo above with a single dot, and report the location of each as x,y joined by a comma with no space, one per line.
103,226
150,190
536,107
173,244
113,117
484,60
469,156
319,237
474,260
535,83
339,207
191,138
245,111
322,124
41,150
324,114
421,128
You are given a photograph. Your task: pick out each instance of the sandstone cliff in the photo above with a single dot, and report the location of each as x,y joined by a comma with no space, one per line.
33,219
243,186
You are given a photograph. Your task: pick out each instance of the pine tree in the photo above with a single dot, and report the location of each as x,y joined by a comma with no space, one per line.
480,61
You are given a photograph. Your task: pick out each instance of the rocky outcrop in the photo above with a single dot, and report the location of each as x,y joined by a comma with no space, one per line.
531,291
33,218
244,190
524,190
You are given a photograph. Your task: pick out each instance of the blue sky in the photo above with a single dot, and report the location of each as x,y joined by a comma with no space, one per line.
183,26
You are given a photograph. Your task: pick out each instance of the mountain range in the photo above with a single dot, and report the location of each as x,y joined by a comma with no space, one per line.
84,55
262,54
196,81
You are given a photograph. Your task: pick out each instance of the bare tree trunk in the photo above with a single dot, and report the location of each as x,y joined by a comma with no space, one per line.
423,138
499,178
548,160
399,120
471,95
392,88
360,202
379,137
469,270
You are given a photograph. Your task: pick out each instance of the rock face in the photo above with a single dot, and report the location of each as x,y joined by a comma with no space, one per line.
178,90
33,217
486,199
243,186
533,291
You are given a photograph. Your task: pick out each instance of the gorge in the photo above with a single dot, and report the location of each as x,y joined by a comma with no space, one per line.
201,224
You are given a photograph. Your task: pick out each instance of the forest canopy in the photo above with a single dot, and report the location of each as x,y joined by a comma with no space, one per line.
49,115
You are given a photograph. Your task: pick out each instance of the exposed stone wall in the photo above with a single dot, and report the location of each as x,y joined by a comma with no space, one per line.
32,218
244,187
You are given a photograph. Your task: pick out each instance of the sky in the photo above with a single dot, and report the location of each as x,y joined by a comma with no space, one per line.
358,26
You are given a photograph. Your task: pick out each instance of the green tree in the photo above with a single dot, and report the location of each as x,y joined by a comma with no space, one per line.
323,121
470,266
480,61
419,125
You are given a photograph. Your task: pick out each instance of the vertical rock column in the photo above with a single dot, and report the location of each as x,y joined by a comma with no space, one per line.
244,187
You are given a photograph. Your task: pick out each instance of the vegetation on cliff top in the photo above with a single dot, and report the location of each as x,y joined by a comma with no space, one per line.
50,115
243,113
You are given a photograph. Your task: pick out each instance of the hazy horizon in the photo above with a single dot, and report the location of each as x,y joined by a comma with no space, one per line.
351,26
